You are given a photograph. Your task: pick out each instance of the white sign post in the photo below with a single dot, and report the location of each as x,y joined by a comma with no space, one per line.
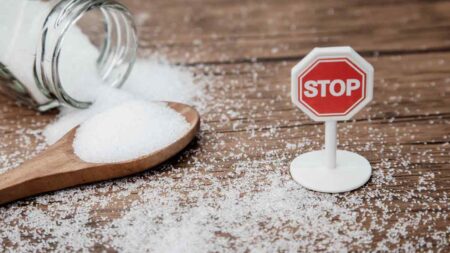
331,84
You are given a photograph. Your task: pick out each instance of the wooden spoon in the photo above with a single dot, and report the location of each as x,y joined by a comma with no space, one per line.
59,167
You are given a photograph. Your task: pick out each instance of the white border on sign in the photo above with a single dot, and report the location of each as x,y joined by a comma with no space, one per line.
332,52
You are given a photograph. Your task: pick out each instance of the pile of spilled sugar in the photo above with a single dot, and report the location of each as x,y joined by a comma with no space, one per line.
128,131
125,118
152,79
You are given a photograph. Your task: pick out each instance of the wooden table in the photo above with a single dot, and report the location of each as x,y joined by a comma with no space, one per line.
251,132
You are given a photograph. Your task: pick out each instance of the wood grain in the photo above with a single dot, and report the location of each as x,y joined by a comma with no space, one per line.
236,31
248,48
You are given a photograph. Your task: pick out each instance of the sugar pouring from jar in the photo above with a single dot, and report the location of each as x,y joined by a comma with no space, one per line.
48,60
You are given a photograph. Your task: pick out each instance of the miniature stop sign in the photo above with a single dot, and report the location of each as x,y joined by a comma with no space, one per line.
332,85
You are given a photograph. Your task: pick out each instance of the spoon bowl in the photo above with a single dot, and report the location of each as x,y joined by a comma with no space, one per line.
58,167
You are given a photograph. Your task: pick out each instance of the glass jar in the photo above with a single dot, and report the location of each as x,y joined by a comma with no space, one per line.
47,58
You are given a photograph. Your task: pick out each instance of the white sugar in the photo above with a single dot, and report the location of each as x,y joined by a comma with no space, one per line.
122,124
21,24
228,193
155,79
151,79
128,131
70,118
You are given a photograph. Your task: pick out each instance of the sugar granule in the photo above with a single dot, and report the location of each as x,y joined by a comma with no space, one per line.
127,131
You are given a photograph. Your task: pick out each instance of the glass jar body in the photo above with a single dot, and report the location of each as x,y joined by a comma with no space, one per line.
46,59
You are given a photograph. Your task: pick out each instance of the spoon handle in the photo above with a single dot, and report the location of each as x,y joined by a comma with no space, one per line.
59,167
48,171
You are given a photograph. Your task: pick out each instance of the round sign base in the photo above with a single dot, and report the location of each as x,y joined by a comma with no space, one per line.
352,171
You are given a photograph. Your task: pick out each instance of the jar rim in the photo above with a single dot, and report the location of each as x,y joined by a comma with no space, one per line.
115,61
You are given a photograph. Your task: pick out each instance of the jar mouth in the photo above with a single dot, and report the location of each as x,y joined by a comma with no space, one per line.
117,53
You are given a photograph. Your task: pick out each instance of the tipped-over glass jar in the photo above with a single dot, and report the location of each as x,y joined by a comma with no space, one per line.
57,52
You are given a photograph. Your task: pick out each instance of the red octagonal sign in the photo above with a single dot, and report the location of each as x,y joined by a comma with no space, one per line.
332,83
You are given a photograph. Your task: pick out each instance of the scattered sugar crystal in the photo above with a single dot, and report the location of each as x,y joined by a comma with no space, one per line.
128,131
227,193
